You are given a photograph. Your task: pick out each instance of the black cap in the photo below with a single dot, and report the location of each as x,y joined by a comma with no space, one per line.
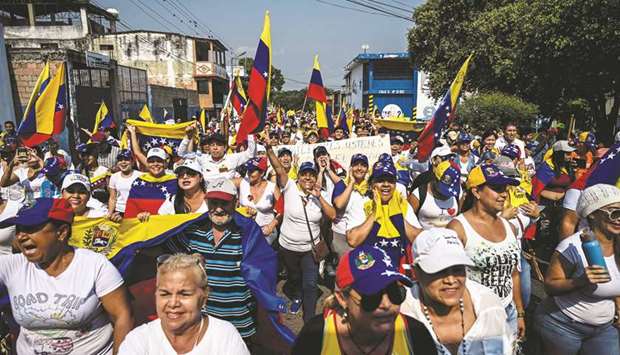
319,151
284,151
217,137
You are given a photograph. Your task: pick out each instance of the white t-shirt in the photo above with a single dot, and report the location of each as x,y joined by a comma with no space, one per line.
62,314
221,337
14,192
30,186
294,233
590,305
501,142
570,203
8,234
435,212
95,209
122,185
167,208
352,214
264,206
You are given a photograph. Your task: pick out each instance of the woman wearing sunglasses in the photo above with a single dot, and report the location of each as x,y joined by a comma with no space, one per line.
191,193
463,316
581,314
362,316
181,292
490,241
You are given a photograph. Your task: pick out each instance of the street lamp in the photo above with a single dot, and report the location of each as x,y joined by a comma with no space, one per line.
365,47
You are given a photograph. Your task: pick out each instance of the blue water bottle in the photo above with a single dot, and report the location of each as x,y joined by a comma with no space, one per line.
592,249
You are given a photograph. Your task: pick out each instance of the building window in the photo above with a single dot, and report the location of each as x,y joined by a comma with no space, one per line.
202,51
132,83
203,86
392,69
49,45
106,47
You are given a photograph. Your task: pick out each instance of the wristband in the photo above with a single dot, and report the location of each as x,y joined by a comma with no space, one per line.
521,314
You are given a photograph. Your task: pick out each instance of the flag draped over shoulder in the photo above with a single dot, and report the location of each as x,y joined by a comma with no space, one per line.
255,114
148,193
151,135
442,115
145,114
239,100
45,114
119,241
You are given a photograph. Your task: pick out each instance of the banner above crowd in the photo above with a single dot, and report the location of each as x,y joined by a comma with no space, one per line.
342,150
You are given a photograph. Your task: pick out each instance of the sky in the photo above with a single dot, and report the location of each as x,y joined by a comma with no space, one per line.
299,30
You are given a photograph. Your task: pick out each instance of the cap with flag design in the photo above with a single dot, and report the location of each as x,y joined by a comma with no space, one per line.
359,158
368,270
257,163
448,179
41,211
488,174
383,169
511,151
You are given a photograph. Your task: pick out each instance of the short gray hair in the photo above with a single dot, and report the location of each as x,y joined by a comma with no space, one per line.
179,262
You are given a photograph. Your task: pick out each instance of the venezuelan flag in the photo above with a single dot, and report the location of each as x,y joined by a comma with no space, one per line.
202,119
148,193
239,100
544,175
45,114
255,114
442,115
145,114
316,91
152,135
103,119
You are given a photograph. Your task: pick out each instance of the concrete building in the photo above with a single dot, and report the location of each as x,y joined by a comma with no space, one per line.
383,79
185,73
36,33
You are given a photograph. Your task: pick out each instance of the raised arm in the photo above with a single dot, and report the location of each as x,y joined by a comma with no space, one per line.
8,177
135,146
281,174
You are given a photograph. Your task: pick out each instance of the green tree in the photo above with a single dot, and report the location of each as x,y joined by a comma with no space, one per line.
549,52
492,110
289,99
277,79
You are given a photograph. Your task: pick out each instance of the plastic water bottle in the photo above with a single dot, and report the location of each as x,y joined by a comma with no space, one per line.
592,249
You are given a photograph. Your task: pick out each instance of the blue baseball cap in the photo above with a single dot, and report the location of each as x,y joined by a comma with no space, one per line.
81,148
368,269
448,179
41,211
381,169
512,151
284,151
307,166
488,174
464,137
257,163
52,167
359,158
488,155
386,158
124,154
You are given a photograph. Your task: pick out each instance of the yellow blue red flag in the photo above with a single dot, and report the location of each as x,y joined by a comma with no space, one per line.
145,114
45,114
443,114
239,100
255,114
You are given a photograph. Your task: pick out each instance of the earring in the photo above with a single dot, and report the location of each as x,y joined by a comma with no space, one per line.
345,315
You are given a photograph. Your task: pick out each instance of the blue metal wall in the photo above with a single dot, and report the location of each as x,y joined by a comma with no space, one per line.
399,92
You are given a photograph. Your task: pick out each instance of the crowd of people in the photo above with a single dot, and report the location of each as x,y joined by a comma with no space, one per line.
426,257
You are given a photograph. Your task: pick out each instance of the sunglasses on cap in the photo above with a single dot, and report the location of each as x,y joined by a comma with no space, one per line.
395,292
77,189
185,171
612,214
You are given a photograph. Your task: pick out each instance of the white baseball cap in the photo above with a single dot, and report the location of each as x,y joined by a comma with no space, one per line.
157,152
221,189
190,163
562,146
437,249
72,179
441,151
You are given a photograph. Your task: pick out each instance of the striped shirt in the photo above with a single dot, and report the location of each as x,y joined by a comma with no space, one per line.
229,296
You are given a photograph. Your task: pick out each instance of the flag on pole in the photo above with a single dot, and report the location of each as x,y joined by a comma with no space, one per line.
145,114
45,114
316,91
443,114
239,100
255,114
202,119
103,119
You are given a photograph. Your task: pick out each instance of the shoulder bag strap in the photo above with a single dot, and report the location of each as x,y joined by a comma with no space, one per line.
303,203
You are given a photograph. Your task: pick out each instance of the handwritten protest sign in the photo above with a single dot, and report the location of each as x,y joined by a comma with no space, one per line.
342,150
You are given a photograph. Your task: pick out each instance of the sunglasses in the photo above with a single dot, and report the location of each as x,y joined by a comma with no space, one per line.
77,190
612,214
189,172
395,292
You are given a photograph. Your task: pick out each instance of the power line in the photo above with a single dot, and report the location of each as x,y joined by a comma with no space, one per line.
351,8
388,5
173,13
197,21
380,10
403,3
156,13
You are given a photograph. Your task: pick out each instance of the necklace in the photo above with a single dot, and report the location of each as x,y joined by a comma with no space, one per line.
359,347
462,309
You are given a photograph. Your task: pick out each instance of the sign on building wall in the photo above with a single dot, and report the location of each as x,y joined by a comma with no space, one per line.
426,104
7,113
96,60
